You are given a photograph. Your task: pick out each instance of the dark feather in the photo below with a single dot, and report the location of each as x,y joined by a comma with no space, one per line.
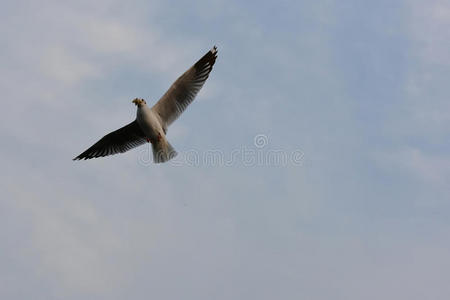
118,141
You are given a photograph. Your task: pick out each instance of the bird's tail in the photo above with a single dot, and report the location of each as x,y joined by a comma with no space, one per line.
163,151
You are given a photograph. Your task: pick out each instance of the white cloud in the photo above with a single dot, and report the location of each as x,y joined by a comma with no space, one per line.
112,228
429,21
428,65
430,169
107,36
70,241
61,65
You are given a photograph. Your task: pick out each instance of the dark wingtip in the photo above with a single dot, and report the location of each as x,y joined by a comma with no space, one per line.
214,50
81,157
208,58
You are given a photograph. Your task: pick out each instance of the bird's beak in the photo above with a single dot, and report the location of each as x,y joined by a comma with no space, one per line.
136,101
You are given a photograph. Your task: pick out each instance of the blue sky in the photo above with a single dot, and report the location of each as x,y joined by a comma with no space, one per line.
358,87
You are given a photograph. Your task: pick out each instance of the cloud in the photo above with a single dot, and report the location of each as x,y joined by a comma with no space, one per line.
113,228
431,169
63,66
428,22
429,61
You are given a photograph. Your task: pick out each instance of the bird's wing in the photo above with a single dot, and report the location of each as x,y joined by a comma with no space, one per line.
184,89
118,141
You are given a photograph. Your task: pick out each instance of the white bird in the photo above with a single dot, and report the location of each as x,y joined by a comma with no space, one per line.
151,123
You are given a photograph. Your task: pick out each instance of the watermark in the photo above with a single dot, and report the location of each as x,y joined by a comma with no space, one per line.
257,154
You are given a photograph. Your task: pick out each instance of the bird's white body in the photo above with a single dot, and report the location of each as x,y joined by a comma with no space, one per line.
152,127
149,122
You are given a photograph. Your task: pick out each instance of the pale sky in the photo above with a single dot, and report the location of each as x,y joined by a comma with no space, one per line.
358,88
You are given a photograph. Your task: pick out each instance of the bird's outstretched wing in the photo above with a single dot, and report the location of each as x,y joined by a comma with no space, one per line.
184,89
118,141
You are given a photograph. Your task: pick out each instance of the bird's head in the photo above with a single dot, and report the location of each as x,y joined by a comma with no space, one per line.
139,102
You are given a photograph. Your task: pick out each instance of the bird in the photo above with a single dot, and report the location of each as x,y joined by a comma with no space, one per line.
150,125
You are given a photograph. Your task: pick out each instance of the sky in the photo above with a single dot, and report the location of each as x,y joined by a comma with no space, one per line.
352,95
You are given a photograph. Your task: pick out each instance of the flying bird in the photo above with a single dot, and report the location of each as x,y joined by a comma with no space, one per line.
150,125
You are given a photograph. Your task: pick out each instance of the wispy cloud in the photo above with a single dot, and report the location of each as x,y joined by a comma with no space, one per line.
359,88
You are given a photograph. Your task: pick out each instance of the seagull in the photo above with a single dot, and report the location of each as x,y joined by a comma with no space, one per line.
150,125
